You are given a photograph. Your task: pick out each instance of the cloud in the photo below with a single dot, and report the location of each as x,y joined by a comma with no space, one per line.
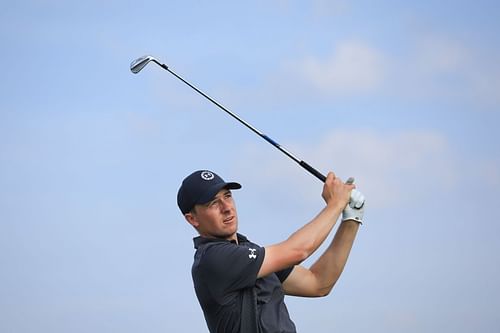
403,164
430,66
440,55
329,8
319,8
352,67
390,168
446,68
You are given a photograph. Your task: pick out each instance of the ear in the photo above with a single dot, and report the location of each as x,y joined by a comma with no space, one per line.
191,219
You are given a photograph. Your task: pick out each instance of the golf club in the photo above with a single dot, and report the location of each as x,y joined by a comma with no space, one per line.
137,65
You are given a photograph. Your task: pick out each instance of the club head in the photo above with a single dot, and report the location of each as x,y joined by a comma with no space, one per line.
138,64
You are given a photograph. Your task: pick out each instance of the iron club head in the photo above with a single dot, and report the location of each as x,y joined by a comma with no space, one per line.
138,64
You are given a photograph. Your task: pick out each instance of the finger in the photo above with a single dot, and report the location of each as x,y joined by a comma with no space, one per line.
330,179
357,199
354,198
359,204
350,181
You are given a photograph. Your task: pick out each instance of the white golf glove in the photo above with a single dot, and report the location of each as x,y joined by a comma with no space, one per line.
356,207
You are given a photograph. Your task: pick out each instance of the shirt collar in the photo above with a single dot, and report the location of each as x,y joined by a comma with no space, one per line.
200,240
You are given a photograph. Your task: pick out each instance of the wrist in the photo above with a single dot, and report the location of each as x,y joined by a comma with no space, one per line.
353,214
352,222
335,208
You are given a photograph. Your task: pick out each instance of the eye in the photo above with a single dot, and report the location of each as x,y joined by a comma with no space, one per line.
212,203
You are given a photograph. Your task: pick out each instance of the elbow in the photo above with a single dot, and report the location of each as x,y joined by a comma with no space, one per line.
324,290
324,286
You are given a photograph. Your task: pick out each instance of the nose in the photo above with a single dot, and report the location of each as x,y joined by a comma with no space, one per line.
225,204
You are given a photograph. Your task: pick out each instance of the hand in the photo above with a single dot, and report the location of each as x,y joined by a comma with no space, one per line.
356,207
336,192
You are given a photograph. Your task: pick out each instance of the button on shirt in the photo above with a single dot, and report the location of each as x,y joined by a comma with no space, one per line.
222,269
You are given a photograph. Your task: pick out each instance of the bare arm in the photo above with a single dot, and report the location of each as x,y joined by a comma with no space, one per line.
302,243
321,277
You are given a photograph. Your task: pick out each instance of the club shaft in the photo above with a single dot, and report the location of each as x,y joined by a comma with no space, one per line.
303,164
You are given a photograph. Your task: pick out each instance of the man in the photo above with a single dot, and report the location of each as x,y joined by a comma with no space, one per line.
241,285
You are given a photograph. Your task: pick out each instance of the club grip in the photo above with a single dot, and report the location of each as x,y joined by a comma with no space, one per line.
313,171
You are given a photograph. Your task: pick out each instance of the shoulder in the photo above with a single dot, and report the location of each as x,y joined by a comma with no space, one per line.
227,258
227,253
224,266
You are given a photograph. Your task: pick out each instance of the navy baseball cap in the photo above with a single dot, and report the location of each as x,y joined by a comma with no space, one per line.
199,188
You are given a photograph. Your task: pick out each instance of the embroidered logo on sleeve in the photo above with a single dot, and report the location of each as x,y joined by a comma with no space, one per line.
252,254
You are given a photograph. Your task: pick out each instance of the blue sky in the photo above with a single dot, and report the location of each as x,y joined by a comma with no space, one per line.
404,97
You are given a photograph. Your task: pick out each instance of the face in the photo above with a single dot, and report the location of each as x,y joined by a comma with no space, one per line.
217,218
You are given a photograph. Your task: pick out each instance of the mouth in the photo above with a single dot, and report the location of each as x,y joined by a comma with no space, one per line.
228,220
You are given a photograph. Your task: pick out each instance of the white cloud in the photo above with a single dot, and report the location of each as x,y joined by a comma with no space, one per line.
352,67
431,66
390,168
444,67
490,172
320,8
440,55
330,8
403,164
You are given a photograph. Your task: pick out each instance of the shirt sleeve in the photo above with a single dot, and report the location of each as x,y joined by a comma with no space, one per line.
283,274
229,267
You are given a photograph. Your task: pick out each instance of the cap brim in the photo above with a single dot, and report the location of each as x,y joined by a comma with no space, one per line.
212,192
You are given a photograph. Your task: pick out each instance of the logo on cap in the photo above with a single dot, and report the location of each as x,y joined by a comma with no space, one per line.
207,175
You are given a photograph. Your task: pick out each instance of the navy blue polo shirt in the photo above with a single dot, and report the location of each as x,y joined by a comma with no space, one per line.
222,269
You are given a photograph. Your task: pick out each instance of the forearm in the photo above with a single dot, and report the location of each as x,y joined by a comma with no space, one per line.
329,266
308,238
302,243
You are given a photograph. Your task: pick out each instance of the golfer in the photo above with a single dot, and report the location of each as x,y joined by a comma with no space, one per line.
241,285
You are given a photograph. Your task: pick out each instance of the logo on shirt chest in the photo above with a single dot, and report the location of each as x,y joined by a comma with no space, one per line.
252,254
